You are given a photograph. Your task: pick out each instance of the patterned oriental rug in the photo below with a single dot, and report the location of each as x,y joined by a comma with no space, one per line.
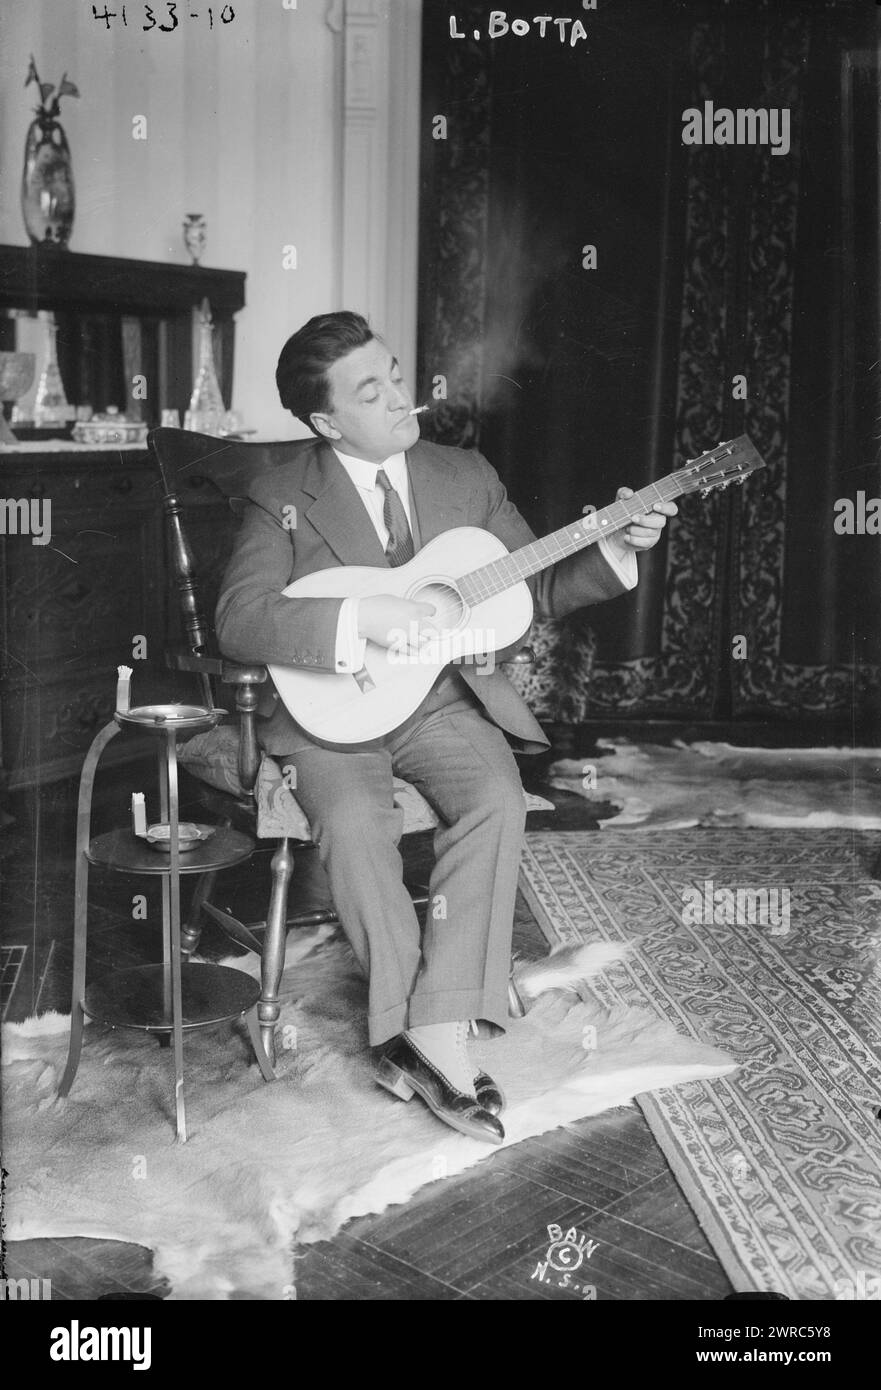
766,944
270,1166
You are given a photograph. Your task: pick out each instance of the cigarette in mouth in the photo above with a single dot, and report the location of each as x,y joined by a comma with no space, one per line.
418,410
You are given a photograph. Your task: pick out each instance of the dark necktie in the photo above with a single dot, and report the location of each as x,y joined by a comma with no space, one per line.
400,547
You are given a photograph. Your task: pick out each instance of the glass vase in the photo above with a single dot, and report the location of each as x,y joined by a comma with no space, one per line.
50,402
206,403
48,200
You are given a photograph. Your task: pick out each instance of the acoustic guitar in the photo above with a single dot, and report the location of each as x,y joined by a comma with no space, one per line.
482,605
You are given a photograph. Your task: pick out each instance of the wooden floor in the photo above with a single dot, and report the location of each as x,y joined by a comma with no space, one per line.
483,1235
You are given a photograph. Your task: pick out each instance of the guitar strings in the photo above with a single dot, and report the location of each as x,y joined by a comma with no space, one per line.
446,618
441,623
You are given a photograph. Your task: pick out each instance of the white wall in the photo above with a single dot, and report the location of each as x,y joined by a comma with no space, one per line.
245,124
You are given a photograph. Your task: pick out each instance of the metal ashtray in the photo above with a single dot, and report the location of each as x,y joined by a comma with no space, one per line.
176,716
189,835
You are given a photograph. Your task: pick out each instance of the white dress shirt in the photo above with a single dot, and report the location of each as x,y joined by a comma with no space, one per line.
350,648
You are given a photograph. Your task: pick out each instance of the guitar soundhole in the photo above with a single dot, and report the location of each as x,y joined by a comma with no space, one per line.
449,609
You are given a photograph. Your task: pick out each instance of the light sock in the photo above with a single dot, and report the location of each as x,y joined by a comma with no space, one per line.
444,1046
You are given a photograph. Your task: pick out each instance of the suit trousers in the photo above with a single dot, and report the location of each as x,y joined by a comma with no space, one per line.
458,966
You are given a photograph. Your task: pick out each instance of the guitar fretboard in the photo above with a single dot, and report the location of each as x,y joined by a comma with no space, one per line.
539,555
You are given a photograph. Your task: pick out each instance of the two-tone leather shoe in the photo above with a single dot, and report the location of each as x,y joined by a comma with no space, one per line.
489,1093
405,1072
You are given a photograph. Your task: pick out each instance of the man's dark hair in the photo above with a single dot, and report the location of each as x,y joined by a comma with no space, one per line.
301,374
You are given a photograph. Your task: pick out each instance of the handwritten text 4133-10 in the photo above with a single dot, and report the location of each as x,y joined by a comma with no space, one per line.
172,18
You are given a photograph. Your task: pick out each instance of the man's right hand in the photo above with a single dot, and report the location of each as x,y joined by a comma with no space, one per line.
393,622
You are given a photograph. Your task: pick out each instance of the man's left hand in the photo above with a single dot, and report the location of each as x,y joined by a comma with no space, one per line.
645,529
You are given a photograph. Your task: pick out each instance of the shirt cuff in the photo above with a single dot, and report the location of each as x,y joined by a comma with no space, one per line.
350,648
624,565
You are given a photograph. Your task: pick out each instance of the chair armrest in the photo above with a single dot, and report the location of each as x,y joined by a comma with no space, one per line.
176,659
231,673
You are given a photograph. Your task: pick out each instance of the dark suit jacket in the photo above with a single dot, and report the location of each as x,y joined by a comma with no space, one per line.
448,488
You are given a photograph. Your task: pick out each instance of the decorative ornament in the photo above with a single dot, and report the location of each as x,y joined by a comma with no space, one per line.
206,410
16,378
50,403
195,235
47,192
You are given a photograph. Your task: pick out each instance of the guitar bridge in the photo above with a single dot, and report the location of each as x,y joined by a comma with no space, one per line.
366,683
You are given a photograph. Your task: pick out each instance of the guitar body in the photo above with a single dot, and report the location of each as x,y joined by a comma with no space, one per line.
346,711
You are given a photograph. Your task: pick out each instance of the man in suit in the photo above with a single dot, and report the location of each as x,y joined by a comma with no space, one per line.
367,491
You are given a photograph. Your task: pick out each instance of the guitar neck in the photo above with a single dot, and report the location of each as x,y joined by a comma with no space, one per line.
539,555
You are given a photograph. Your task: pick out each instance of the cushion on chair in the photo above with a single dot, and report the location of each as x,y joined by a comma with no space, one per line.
213,758
279,813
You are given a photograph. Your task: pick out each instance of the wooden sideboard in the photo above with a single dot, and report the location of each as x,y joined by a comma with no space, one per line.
117,318
71,610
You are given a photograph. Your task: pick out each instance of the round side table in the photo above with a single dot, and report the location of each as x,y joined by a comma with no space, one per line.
173,997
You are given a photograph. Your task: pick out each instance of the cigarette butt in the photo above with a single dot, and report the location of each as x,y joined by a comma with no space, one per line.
419,410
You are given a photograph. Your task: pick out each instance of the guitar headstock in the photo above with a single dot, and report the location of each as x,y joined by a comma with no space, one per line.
728,463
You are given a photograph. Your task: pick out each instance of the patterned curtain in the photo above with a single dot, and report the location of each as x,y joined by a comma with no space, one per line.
714,263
